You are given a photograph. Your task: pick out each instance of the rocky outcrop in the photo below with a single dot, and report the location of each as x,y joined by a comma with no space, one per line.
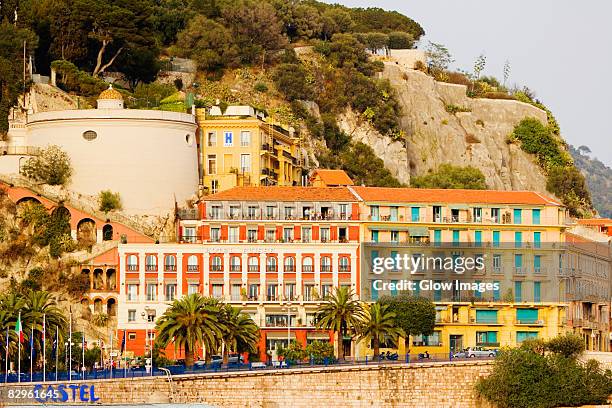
434,136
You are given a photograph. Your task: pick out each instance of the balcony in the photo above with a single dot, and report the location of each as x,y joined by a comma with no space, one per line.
216,268
344,268
253,268
271,268
307,268
170,268
235,268
151,268
326,268
193,268
529,322
188,214
132,268
289,268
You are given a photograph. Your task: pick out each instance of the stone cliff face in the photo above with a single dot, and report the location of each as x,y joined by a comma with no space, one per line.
434,136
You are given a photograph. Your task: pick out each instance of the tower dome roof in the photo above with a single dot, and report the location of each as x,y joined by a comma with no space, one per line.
110,93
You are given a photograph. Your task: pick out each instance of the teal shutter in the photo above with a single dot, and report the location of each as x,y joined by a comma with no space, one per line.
496,239
486,316
537,263
477,294
417,288
537,291
395,264
374,292
455,237
478,238
537,239
518,261
518,239
535,214
527,315
374,255
518,291
523,335
394,290
415,214
437,237
374,236
437,293
518,213
496,292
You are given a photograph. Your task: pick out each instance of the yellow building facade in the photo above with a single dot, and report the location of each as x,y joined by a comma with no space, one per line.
241,147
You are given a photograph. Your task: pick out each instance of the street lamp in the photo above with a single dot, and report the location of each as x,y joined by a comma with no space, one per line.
289,309
148,342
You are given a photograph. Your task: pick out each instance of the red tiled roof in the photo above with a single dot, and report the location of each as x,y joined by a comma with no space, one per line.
423,195
595,221
273,193
333,177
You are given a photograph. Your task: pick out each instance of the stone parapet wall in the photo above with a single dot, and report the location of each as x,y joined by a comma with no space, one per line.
400,385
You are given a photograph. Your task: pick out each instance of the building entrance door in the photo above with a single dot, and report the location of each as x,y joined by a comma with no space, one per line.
456,342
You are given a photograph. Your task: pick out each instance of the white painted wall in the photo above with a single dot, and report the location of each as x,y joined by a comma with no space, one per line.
143,155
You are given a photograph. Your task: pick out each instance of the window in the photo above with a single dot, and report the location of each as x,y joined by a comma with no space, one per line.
189,234
253,264
212,164
495,215
477,214
535,216
245,163
234,212
537,263
537,291
228,139
271,292
497,263
252,235
394,236
343,211
288,234
374,213
374,236
537,239
496,235
518,215
270,235
211,139
325,264
393,213
496,292
486,316
518,263
306,234
270,212
245,138
309,292
192,263
307,265
279,320
415,214
344,264
251,212
437,213
326,290
518,239
455,237
373,257
486,339
235,294
132,292
215,234
233,234
437,237
526,316
216,264
215,212
131,315
170,263
478,238
235,264
89,135
151,291
214,186
193,288
518,291
290,293
132,263
289,211
170,292
524,335
271,264
289,264
324,234
433,339
131,336
217,291
253,291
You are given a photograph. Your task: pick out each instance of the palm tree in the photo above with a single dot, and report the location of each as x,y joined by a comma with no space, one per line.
36,305
189,322
241,333
378,325
341,313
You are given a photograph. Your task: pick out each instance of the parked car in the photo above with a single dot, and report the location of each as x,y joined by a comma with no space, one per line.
474,352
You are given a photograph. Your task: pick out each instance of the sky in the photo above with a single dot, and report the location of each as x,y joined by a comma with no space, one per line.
561,49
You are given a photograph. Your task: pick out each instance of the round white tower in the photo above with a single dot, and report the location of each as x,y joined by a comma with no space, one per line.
110,99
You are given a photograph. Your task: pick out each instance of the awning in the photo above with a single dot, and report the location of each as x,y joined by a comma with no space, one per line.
317,336
458,207
418,231
388,228
279,336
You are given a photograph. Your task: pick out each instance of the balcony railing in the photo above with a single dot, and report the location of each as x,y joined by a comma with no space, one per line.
193,268
289,268
307,268
487,344
132,268
344,268
235,268
253,268
170,268
529,322
330,216
326,268
216,268
151,268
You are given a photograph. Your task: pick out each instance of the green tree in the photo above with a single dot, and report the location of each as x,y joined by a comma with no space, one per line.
449,176
208,42
291,81
109,201
240,333
569,345
294,353
256,29
364,167
438,57
11,68
320,352
52,166
341,313
414,315
379,324
375,41
190,322
400,40
139,65
335,20
569,184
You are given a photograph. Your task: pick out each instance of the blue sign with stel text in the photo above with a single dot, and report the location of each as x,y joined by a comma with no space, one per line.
65,393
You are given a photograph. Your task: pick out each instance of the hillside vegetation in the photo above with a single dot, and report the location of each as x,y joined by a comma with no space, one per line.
598,177
305,63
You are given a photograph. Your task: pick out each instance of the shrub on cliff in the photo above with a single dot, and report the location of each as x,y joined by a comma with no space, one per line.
109,201
449,176
51,166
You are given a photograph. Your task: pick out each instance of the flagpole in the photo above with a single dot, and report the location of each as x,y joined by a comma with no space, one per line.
83,349
31,353
70,349
111,354
56,350
124,350
19,352
6,363
44,350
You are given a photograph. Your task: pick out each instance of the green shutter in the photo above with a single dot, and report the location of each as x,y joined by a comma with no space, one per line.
527,315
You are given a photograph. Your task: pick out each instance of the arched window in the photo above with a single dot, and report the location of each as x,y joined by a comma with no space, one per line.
253,264
107,232
132,263
215,264
344,264
235,264
325,264
289,264
192,263
271,264
170,263
307,265
151,263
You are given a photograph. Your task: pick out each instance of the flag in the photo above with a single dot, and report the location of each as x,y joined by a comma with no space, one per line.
19,328
32,350
54,345
123,341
